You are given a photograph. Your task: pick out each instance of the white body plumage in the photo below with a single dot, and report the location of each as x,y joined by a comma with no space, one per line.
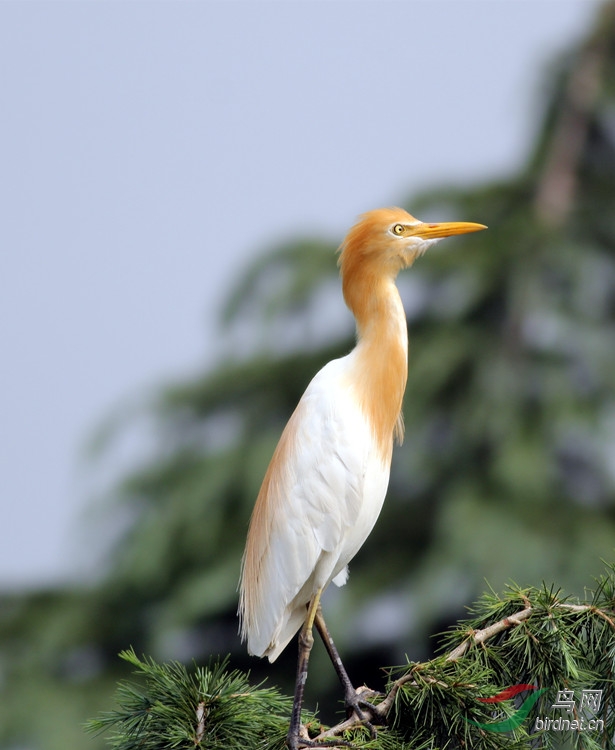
329,493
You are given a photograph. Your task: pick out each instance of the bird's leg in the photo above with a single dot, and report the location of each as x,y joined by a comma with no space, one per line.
294,740
349,690
306,641
351,696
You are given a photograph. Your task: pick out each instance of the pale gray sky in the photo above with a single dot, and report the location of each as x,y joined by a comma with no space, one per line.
149,149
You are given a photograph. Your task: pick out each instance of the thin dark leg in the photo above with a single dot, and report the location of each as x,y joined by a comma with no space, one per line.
351,698
306,641
293,739
322,628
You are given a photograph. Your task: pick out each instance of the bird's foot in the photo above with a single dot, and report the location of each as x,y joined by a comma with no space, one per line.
333,742
359,710
366,712
302,740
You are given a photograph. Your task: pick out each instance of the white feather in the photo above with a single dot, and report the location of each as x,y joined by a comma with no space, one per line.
330,492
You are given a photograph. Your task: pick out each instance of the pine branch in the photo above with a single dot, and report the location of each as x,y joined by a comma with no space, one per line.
536,639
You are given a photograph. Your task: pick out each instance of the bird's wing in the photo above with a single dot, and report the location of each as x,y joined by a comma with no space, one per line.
311,496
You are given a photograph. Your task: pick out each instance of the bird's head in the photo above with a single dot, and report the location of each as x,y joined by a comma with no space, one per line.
388,239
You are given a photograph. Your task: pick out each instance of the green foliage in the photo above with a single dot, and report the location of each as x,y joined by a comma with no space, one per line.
208,707
530,637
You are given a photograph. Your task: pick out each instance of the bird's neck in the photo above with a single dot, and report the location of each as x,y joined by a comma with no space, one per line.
380,358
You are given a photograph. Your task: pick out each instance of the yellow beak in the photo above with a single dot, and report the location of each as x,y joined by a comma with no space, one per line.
443,229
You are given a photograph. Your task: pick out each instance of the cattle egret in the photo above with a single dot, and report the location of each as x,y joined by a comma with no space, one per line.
328,476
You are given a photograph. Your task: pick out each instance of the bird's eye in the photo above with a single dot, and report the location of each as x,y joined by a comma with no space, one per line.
398,229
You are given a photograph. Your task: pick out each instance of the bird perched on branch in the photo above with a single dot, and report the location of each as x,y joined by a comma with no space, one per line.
328,476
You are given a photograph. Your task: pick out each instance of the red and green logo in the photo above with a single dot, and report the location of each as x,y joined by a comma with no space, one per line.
519,716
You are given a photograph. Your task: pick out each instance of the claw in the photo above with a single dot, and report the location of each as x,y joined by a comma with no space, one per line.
295,743
367,713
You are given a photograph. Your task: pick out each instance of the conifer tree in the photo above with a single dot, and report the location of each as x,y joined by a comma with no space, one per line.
528,640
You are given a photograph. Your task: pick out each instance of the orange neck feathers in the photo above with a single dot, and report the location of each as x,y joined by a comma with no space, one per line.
380,368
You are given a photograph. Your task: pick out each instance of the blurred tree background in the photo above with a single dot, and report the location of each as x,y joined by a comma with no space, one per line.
507,470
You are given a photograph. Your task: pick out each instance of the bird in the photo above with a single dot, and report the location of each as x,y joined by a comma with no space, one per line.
327,479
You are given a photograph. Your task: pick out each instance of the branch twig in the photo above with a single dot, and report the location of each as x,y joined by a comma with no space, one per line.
474,638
